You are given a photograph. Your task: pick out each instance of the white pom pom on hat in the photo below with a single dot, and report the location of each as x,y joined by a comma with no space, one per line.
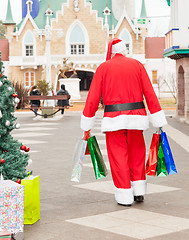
115,46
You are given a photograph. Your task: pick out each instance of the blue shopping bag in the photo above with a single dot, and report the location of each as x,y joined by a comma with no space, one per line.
170,165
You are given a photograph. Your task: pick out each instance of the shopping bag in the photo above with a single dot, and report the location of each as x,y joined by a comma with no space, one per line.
170,165
31,199
96,157
78,158
161,166
87,150
153,156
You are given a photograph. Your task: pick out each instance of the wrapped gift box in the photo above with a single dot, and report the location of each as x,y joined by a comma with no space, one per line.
11,206
5,235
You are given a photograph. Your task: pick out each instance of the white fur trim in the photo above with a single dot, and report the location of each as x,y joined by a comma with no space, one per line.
124,195
87,123
118,47
138,122
158,119
139,187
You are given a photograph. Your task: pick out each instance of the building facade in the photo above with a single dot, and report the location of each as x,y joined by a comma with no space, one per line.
77,30
177,48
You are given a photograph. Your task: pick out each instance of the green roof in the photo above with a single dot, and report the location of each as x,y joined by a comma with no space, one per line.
9,18
143,13
56,5
100,5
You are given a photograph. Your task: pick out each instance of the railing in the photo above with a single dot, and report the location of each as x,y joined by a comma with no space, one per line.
56,60
172,38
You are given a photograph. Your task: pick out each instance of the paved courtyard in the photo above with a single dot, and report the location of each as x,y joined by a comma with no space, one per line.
87,210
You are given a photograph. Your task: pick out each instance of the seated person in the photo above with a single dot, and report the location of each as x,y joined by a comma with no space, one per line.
33,103
63,103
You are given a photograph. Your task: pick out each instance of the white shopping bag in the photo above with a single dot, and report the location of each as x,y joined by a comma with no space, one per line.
78,158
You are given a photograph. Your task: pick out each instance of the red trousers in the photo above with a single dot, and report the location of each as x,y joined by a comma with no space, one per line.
126,152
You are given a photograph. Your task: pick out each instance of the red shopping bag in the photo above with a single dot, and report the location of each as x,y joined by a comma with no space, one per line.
153,156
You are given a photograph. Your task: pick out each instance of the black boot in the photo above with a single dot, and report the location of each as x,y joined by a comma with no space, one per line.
139,198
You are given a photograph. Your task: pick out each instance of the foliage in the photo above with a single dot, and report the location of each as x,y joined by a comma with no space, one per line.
13,161
2,30
22,93
43,87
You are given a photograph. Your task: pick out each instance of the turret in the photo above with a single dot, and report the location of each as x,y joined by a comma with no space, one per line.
143,20
9,22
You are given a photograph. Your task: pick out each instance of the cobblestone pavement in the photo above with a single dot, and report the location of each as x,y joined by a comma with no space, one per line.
87,210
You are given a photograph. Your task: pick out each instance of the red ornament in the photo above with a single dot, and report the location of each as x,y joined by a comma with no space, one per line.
15,95
23,147
5,150
18,181
0,75
27,149
2,160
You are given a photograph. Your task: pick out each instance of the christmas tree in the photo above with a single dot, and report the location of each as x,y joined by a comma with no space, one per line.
13,155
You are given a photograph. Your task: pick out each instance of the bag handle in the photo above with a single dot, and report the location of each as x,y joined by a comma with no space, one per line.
86,135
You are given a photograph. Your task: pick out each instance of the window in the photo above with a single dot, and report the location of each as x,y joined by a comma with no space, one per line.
77,40
77,49
126,37
29,79
28,45
128,48
29,50
154,77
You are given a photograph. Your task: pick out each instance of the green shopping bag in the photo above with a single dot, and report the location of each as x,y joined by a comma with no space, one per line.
31,199
96,157
161,169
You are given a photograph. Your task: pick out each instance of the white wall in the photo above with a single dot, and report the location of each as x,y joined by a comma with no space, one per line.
166,69
6,65
180,19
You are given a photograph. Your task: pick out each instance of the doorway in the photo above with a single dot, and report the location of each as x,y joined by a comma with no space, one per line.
181,92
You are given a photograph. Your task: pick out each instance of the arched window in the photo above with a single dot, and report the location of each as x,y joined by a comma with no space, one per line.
77,40
29,79
28,45
126,37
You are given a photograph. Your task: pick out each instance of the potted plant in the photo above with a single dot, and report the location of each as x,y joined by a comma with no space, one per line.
48,105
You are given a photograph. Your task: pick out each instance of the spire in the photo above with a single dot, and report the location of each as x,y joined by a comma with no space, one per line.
106,13
29,6
48,14
143,13
35,8
168,2
9,18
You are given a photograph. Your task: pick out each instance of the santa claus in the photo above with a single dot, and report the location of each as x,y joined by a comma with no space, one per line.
123,83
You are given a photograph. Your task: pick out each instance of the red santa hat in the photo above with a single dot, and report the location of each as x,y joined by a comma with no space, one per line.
115,46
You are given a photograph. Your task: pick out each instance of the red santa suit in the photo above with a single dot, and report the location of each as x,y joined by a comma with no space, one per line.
123,80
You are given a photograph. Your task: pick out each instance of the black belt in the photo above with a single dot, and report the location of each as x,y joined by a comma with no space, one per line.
124,107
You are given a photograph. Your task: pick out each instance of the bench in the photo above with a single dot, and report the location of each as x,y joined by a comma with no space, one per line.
39,97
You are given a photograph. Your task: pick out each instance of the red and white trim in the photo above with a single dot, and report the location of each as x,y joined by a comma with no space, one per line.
139,187
124,195
139,122
87,123
158,119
